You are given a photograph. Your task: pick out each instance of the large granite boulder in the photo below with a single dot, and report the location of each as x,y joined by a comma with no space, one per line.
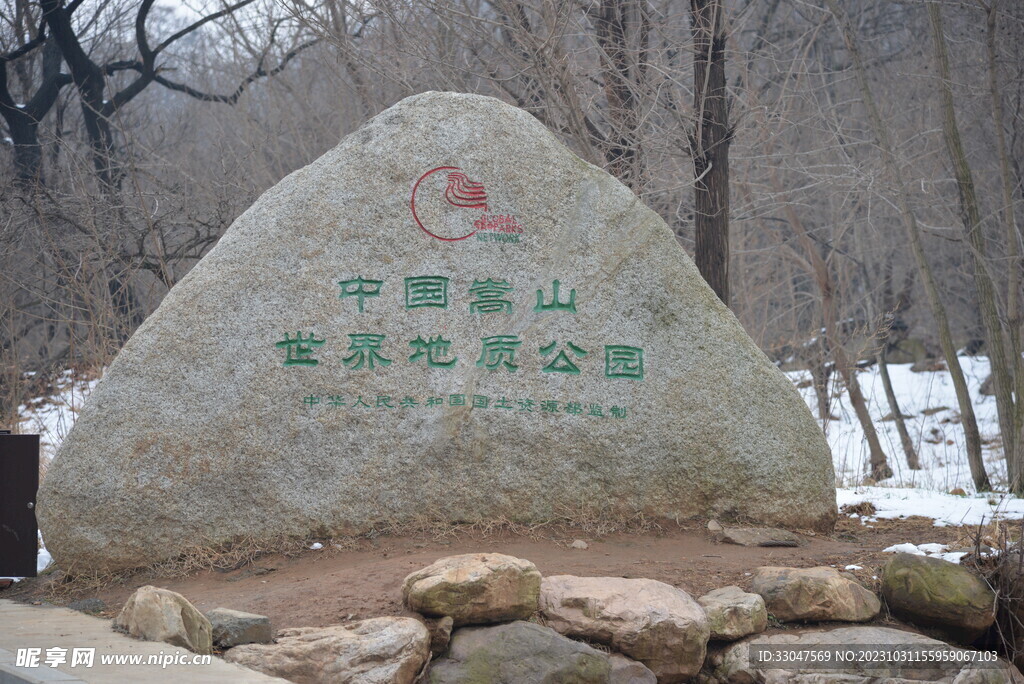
650,621
384,650
448,316
871,654
813,595
932,592
517,653
156,614
474,588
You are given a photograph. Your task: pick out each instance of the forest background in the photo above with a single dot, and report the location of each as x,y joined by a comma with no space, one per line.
846,173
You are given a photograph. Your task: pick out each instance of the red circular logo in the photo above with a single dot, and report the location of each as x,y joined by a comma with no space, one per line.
449,202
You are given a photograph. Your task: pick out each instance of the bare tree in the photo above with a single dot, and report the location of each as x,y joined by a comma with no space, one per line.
709,145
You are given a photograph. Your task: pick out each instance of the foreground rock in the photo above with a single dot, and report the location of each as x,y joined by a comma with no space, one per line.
650,621
628,671
813,594
474,588
936,593
517,653
386,650
440,630
733,665
758,536
733,613
380,324
158,614
233,628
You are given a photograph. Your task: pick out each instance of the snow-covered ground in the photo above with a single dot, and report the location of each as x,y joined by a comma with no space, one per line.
938,437
51,417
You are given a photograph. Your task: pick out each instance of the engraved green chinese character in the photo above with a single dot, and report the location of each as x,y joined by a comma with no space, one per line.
527,405
311,400
561,363
490,296
549,406
299,349
596,410
503,403
408,402
434,348
435,401
618,411
365,351
424,291
359,402
574,408
621,361
384,401
480,401
336,400
499,350
555,304
456,399
360,288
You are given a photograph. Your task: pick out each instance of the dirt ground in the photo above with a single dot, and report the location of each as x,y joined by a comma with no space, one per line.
331,586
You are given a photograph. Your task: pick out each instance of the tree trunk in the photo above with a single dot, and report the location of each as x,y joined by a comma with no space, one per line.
819,377
901,425
969,421
879,466
710,146
1013,252
1002,373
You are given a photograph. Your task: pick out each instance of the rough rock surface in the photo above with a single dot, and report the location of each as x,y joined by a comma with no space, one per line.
813,594
650,621
516,653
440,634
233,627
733,666
758,536
733,613
628,671
474,588
158,614
936,593
385,650
449,386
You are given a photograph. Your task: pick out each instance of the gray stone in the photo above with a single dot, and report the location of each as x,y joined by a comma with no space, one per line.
733,666
628,671
517,653
89,605
933,592
226,446
650,621
733,613
156,614
233,628
813,595
758,536
580,545
385,650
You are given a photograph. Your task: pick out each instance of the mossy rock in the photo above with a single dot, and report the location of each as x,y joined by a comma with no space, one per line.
518,652
936,593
